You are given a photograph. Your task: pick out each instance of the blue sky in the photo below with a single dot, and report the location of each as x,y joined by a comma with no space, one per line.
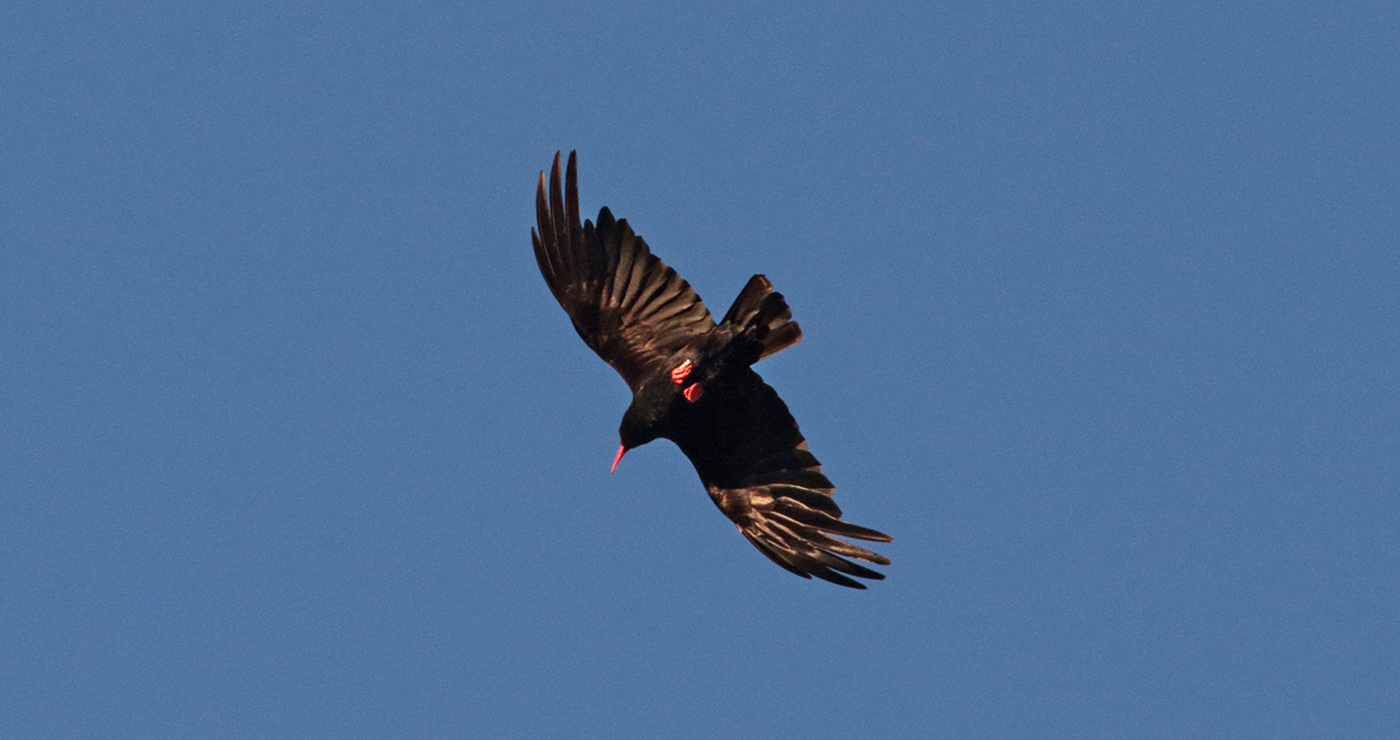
1101,312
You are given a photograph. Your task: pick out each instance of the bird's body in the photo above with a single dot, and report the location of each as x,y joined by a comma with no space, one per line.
693,383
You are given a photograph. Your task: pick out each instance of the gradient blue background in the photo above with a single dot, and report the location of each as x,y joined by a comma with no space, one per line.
1102,305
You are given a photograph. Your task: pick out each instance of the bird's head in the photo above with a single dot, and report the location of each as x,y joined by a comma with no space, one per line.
646,417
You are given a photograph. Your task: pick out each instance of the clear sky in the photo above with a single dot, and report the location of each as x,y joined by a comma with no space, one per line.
1102,305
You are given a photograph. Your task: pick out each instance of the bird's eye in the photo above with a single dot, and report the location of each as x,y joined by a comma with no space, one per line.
692,392
680,372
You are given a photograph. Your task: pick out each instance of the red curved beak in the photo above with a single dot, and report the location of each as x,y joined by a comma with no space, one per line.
621,450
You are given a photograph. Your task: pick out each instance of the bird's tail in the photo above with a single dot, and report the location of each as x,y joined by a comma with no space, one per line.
761,315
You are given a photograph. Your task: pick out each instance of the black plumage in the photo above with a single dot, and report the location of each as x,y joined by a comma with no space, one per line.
692,382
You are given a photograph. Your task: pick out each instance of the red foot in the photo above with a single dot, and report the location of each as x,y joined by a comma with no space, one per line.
692,392
680,372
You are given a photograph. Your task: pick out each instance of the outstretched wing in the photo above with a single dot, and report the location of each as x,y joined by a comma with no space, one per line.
756,466
628,306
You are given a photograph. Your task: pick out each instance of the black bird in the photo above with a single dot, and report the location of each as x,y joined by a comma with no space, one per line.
692,383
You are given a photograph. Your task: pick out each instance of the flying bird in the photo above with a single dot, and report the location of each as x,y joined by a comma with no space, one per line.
692,383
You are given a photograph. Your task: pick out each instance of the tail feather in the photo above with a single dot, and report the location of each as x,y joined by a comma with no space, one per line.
761,313
781,338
